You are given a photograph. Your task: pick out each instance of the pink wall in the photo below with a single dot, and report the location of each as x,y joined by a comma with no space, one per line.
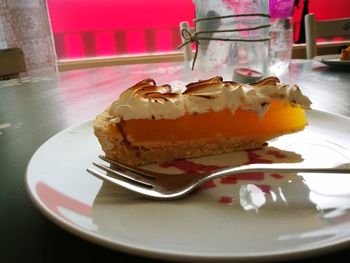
89,28
323,9
109,27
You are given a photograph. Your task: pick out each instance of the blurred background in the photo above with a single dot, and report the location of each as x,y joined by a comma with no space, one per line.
107,28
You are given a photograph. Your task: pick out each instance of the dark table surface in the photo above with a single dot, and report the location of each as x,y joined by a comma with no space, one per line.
34,109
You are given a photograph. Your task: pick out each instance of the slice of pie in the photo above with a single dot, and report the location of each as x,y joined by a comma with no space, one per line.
150,123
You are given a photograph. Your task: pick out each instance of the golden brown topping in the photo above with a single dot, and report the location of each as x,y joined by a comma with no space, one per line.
270,81
209,97
143,83
196,86
148,89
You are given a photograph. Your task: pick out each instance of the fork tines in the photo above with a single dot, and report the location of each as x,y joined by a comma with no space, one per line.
121,174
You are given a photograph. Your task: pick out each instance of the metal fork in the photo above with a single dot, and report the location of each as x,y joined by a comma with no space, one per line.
171,186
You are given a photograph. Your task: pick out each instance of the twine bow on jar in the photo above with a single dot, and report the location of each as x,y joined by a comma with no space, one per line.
196,36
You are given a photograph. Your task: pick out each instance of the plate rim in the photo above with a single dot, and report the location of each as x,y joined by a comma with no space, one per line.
168,255
335,63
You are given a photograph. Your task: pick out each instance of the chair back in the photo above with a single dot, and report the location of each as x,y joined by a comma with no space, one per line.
11,63
323,28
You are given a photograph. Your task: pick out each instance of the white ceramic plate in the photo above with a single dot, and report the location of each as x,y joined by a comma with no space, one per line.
242,217
333,61
336,62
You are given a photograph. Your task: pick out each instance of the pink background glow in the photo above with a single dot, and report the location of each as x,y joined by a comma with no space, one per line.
90,28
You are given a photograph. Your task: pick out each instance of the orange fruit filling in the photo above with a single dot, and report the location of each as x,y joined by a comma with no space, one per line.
279,119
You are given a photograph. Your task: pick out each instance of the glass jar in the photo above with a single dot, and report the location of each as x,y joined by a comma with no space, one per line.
281,33
240,55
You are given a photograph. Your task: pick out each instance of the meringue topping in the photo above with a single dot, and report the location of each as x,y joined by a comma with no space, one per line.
146,100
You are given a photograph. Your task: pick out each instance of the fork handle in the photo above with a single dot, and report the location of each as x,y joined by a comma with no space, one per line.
280,167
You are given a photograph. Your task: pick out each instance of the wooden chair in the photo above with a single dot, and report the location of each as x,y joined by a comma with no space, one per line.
11,63
323,28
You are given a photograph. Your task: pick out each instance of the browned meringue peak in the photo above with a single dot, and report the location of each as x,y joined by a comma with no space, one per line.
269,81
275,93
194,86
148,89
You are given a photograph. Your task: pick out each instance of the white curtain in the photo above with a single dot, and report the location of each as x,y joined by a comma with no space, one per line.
25,24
